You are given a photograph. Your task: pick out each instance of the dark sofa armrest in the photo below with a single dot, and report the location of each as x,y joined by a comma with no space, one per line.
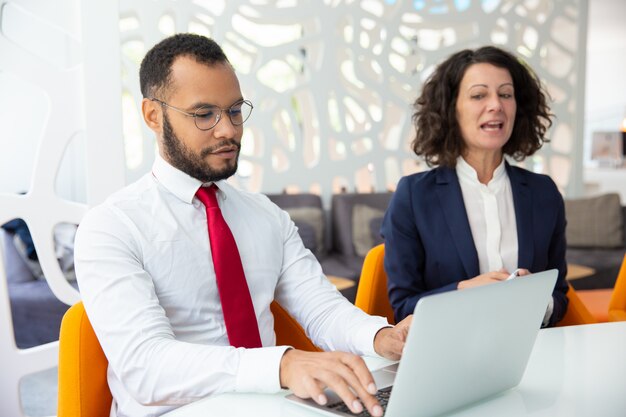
15,266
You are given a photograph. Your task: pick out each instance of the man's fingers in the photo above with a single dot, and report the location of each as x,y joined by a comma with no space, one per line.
315,390
364,386
389,342
355,379
307,374
357,365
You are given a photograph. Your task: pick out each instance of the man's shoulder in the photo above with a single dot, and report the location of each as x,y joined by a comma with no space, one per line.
131,197
248,198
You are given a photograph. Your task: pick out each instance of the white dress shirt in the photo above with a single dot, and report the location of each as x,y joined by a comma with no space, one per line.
491,216
146,277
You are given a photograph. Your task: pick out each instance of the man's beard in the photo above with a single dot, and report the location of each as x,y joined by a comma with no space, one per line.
183,158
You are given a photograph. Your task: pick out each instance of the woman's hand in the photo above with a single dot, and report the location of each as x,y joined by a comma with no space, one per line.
488,278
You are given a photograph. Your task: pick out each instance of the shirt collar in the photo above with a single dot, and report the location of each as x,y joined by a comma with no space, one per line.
176,181
466,173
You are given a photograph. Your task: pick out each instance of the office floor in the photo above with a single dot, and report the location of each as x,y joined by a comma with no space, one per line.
39,393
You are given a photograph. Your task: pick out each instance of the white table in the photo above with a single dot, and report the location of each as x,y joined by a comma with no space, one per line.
576,371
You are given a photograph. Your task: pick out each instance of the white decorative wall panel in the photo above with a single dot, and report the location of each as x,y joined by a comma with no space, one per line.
59,143
333,81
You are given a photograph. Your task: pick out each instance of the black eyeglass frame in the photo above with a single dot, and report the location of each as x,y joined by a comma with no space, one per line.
195,114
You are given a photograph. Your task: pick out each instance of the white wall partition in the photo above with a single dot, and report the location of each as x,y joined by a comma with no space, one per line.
61,114
333,81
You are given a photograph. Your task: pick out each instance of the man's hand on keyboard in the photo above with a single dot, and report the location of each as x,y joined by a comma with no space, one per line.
307,374
389,341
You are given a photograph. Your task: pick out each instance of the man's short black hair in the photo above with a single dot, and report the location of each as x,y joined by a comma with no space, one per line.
156,67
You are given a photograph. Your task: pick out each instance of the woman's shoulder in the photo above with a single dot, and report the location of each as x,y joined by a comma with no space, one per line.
536,181
423,178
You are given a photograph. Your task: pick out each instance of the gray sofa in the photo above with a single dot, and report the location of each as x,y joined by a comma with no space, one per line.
35,310
596,238
339,237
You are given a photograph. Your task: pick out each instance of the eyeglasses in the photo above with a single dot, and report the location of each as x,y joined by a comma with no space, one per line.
207,117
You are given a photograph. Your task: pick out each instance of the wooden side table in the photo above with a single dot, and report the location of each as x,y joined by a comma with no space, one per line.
340,283
575,271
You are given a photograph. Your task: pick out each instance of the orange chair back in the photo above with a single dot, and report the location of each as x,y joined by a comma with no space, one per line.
83,387
617,305
576,313
288,330
371,295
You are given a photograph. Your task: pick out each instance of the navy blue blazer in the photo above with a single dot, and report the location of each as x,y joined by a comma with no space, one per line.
428,241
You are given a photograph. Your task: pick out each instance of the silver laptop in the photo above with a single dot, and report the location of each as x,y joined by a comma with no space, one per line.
462,347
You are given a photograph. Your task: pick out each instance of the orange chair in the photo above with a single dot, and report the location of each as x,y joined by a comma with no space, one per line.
576,313
617,305
288,330
608,304
371,295
83,387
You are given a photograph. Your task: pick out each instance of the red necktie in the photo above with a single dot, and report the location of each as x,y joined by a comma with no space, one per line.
241,324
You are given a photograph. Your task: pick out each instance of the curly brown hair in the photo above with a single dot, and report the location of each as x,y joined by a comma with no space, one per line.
438,137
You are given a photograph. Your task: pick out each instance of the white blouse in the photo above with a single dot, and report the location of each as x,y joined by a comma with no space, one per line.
491,216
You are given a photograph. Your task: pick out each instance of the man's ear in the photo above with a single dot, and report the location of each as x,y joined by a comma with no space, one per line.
152,115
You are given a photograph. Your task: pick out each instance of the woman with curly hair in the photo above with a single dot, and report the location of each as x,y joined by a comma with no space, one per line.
475,218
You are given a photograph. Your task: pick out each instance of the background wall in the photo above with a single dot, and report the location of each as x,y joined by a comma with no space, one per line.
333,81
605,94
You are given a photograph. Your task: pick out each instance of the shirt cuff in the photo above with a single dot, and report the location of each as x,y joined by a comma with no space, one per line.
364,337
259,370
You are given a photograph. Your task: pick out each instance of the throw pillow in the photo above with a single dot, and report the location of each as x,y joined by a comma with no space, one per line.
314,217
362,216
595,222
307,234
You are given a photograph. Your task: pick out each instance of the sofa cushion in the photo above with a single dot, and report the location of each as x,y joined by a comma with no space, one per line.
342,213
307,234
312,217
36,313
362,237
595,222
305,209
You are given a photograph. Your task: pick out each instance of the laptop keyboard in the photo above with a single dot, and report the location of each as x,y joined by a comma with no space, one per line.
382,396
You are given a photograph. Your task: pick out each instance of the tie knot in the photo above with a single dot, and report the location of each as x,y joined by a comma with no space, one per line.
207,196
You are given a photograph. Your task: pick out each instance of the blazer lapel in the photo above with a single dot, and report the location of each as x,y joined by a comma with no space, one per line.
523,203
452,206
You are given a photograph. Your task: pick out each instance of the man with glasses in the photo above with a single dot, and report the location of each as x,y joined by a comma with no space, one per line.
181,313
